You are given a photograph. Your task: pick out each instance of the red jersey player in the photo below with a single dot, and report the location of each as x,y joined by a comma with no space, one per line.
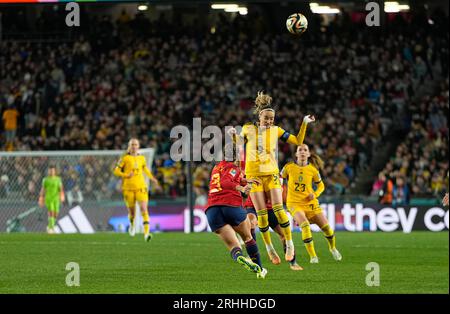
226,215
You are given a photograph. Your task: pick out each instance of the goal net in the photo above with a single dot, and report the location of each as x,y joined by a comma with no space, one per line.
92,191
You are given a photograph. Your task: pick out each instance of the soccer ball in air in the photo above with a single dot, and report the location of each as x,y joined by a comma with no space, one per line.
297,23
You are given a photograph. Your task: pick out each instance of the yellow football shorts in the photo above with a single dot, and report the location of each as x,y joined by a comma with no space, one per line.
310,210
267,183
132,196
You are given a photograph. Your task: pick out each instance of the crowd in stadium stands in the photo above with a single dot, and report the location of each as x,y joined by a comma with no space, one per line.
420,164
126,80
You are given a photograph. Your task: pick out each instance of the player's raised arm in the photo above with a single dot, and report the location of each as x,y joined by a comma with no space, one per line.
296,140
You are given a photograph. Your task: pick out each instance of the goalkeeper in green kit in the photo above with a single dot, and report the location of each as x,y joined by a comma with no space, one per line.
52,193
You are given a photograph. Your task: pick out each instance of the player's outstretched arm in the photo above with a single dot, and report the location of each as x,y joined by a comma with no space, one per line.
302,133
298,140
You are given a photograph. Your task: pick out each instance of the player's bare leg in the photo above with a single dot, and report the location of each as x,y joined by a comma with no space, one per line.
322,222
276,197
253,224
228,236
259,201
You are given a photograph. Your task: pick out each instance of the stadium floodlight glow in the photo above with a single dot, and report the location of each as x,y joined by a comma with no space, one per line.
224,6
231,10
243,11
322,9
143,7
395,7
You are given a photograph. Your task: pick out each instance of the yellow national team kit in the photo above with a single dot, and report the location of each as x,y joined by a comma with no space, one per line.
300,185
134,188
261,148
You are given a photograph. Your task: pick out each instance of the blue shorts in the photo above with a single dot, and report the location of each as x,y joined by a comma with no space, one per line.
273,221
219,216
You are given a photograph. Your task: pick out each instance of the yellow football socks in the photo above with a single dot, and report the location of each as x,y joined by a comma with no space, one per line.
263,224
329,235
307,238
283,220
146,222
131,217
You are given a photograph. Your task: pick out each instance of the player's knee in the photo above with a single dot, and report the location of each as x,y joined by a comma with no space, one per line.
246,237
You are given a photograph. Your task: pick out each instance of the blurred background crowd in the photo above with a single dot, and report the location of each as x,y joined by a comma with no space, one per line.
136,77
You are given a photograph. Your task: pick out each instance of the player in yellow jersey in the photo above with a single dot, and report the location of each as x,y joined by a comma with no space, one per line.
131,168
302,200
261,145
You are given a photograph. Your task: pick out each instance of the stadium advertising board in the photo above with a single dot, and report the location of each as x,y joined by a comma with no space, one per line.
353,217
356,217
359,217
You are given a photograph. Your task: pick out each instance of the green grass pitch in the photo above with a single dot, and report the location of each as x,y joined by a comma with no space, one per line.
199,263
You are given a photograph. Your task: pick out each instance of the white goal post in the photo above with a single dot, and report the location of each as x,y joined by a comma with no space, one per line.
87,177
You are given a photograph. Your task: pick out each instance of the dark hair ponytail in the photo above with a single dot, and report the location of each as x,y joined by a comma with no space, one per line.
316,161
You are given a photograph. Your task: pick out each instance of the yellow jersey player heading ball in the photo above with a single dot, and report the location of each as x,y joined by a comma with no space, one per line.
131,168
260,140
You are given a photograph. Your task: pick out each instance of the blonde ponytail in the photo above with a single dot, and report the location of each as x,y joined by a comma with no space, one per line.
262,102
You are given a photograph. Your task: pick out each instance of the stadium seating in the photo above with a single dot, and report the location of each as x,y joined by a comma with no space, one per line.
97,91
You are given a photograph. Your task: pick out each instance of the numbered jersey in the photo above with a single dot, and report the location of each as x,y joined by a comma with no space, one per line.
261,149
138,166
225,176
300,183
